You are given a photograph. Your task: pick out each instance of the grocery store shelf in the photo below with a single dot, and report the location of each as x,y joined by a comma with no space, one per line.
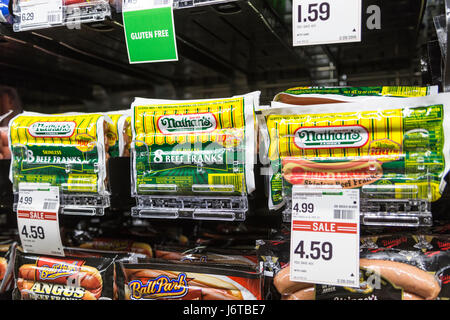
233,45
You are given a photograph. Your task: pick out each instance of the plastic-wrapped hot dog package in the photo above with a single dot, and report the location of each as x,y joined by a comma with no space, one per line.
165,281
228,256
117,255
194,147
70,278
67,150
7,256
323,95
415,268
5,153
394,148
125,134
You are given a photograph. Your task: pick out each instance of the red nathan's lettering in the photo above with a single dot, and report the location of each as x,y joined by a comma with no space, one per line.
324,226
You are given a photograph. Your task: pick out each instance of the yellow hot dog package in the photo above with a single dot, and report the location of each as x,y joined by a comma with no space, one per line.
65,150
400,146
194,147
322,95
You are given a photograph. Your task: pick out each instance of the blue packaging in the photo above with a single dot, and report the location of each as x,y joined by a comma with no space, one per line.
5,15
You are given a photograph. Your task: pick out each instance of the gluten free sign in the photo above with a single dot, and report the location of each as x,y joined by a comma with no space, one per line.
150,33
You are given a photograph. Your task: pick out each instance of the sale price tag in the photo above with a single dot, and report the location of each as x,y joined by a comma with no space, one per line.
325,236
317,22
37,219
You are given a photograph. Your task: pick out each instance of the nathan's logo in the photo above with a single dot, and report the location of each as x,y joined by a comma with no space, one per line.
353,136
160,287
187,123
58,270
56,129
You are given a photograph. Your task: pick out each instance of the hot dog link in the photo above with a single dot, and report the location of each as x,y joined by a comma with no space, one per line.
410,278
87,277
3,266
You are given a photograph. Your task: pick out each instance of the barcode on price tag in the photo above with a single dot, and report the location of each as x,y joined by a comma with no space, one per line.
344,214
325,236
50,205
37,219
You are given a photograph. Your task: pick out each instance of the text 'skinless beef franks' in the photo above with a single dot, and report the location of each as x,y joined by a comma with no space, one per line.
69,278
194,147
67,150
401,144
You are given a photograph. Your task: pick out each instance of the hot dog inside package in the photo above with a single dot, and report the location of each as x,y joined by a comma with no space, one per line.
400,267
191,281
78,277
7,256
202,151
395,151
119,133
67,150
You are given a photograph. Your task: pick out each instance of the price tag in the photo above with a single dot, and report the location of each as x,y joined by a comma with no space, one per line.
317,22
35,12
325,236
37,219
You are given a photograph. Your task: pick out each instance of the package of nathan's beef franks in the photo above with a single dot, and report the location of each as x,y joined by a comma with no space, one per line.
399,148
163,280
392,267
194,147
68,150
79,277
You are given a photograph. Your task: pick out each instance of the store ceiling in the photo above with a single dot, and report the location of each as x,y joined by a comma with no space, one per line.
226,48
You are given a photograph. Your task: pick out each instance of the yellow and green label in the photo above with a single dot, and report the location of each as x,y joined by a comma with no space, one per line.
195,147
61,150
400,150
387,91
